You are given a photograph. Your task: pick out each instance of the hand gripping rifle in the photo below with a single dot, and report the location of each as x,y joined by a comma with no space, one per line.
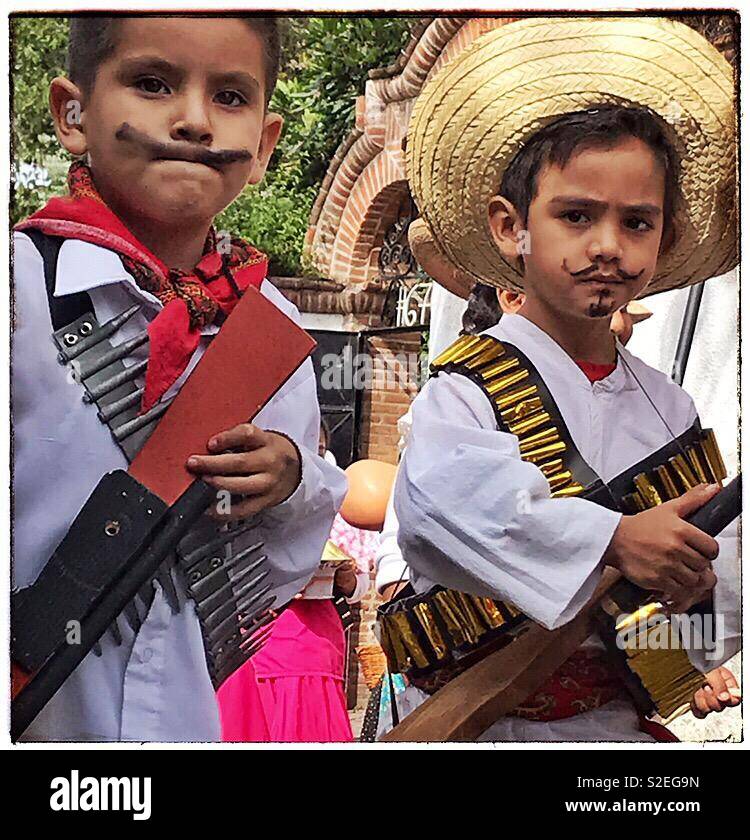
471,702
134,519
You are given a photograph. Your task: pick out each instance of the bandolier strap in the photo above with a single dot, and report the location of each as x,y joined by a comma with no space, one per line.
433,636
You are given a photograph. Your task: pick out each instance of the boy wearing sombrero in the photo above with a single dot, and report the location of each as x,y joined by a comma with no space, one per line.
585,162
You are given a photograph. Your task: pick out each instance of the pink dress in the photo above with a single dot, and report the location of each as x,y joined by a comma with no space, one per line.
293,689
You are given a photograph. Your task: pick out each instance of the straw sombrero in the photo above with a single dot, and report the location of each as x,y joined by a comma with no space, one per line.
474,115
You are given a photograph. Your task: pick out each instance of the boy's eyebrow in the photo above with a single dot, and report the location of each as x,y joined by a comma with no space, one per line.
577,201
149,62
651,209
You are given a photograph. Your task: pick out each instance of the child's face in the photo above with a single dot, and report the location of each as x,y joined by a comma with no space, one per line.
594,230
174,91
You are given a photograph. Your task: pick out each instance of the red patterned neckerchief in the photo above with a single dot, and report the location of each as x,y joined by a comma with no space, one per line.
190,300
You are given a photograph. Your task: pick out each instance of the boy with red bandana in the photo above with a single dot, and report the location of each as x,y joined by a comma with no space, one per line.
168,120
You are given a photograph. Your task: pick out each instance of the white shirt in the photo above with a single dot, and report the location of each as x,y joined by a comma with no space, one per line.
712,373
475,517
389,561
155,686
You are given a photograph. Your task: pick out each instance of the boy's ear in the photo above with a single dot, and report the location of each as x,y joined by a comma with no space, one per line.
66,105
510,302
269,137
506,225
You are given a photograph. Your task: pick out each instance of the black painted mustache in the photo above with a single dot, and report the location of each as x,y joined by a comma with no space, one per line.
594,269
180,150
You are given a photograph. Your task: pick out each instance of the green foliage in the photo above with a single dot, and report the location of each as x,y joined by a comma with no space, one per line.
38,49
324,68
329,59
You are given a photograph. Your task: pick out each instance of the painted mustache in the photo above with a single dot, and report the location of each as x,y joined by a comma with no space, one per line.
594,269
180,150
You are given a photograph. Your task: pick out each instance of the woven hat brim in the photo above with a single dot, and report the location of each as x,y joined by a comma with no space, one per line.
434,262
474,115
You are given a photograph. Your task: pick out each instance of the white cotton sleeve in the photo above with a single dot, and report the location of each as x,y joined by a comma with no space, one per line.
295,531
389,562
473,516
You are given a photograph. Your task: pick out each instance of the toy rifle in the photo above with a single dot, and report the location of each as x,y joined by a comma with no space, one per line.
471,702
134,519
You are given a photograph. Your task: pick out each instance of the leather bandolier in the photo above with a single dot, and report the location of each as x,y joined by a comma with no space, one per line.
434,636
222,568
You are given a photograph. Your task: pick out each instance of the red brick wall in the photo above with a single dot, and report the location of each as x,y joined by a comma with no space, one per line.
386,401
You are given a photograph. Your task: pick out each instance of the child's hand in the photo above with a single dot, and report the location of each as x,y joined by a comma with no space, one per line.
263,467
660,552
720,691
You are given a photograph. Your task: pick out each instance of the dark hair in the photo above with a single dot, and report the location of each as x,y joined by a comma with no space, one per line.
601,126
482,310
326,429
92,40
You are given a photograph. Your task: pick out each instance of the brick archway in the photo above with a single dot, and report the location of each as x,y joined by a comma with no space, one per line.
366,183
372,208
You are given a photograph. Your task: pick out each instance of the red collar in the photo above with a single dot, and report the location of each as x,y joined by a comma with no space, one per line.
594,371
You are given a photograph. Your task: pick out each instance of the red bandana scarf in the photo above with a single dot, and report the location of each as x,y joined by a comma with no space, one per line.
191,301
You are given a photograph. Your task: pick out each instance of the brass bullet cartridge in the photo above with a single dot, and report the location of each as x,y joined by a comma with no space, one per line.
571,490
544,452
506,381
667,482
549,435
505,401
646,490
521,410
500,367
494,351
522,427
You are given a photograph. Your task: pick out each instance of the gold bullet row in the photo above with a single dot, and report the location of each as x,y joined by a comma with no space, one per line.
702,465
654,654
523,413
464,349
667,675
521,408
467,619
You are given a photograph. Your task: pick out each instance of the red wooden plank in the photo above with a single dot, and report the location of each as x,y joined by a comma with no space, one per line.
254,353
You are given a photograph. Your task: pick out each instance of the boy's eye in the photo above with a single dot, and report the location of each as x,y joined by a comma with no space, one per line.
231,98
634,223
576,217
150,84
